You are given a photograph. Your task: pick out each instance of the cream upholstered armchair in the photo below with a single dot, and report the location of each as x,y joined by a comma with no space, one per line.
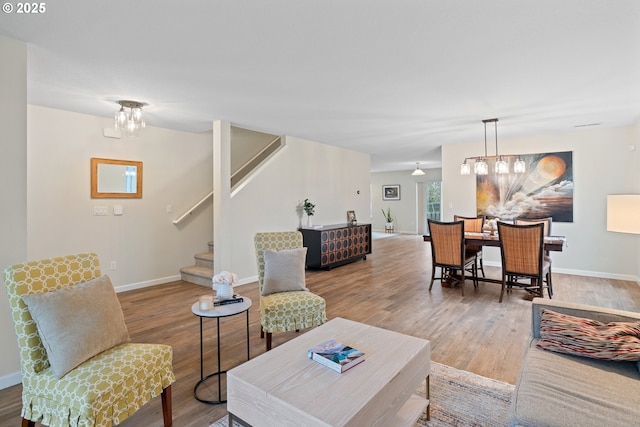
285,302
64,313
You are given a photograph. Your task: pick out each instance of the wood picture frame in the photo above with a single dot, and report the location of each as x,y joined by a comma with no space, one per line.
116,179
391,192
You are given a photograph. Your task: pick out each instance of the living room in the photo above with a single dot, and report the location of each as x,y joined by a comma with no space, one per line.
48,211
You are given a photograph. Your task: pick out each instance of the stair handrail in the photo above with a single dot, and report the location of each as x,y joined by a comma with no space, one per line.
193,208
258,155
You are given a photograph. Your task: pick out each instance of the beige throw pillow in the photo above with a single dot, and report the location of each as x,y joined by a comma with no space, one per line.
284,270
77,322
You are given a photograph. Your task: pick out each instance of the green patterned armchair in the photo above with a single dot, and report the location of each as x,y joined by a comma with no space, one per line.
289,306
100,391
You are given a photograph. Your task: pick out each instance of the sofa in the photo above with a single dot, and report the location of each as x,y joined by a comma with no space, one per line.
555,389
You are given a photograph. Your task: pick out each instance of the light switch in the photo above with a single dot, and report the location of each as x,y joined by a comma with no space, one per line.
100,210
118,210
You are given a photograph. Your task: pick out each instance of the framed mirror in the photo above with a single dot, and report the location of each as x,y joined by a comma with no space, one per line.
116,179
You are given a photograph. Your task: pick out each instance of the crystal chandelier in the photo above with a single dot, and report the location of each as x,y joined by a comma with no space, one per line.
130,121
481,167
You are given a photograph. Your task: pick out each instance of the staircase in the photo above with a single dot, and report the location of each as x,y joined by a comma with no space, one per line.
202,272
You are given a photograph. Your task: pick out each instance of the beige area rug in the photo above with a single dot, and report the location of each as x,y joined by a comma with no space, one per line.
458,398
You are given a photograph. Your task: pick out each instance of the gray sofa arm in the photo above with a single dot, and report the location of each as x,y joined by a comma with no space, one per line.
600,314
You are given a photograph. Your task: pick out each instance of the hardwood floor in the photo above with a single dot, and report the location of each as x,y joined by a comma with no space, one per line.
389,290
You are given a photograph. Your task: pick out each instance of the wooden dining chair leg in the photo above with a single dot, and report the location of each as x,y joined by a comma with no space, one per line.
28,423
433,277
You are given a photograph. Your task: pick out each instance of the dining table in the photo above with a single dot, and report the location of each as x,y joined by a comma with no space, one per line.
551,243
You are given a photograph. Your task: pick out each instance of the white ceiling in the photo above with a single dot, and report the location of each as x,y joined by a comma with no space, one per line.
394,78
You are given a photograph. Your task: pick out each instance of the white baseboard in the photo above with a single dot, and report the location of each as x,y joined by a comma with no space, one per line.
10,380
146,284
599,274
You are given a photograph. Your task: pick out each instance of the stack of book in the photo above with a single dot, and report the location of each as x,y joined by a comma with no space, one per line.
233,300
335,355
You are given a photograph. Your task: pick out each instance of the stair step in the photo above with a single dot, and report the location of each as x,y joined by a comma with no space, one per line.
197,274
204,260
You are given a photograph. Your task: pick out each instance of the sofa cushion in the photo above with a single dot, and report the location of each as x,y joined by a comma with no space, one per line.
563,333
556,389
77,322
284,270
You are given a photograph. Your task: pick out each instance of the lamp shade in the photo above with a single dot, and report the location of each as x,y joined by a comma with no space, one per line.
623,213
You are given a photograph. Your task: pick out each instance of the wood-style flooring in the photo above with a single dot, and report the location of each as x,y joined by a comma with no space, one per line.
389,289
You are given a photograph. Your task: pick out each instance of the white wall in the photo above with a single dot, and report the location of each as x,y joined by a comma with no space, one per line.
328,176
602,164
403,211
13,191
146,245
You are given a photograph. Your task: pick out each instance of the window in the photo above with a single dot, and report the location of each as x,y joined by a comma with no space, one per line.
432,198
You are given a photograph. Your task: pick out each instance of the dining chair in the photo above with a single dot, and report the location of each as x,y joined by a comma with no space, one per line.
285,302
522,253
547,221
78,366
448,253
473,225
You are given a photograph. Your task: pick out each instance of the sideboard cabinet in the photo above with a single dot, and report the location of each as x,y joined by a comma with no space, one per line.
334,245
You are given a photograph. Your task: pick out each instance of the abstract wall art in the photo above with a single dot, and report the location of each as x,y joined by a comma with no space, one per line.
545,189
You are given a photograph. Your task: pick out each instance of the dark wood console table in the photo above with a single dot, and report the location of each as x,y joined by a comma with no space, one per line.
338,244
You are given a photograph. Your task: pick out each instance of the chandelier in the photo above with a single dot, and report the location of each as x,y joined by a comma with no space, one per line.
480,165
130,121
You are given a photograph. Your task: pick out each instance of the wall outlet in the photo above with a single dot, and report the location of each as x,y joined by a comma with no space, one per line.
114,265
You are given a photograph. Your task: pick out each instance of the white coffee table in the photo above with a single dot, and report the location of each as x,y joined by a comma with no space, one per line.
284,387
217,313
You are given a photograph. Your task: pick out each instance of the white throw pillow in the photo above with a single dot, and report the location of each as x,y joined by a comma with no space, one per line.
77,322
284,270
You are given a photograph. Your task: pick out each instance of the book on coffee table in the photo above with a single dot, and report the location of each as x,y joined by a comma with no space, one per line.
233,300
335,355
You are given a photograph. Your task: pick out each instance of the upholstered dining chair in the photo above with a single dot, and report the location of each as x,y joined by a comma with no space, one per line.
473,225
522,253
448,253
78,366
285,302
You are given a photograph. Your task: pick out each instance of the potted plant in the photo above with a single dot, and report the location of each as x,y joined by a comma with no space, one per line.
309,209
388,227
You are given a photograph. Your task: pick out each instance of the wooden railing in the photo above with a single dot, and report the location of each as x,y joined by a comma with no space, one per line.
193,208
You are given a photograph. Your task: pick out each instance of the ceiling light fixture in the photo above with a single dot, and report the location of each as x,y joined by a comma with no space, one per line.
418,171
481,167
132,121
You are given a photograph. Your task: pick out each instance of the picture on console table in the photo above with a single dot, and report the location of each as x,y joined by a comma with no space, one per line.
391,192
351,218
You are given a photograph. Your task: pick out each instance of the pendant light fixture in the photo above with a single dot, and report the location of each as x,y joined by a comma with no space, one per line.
481,167
418,171
130,121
